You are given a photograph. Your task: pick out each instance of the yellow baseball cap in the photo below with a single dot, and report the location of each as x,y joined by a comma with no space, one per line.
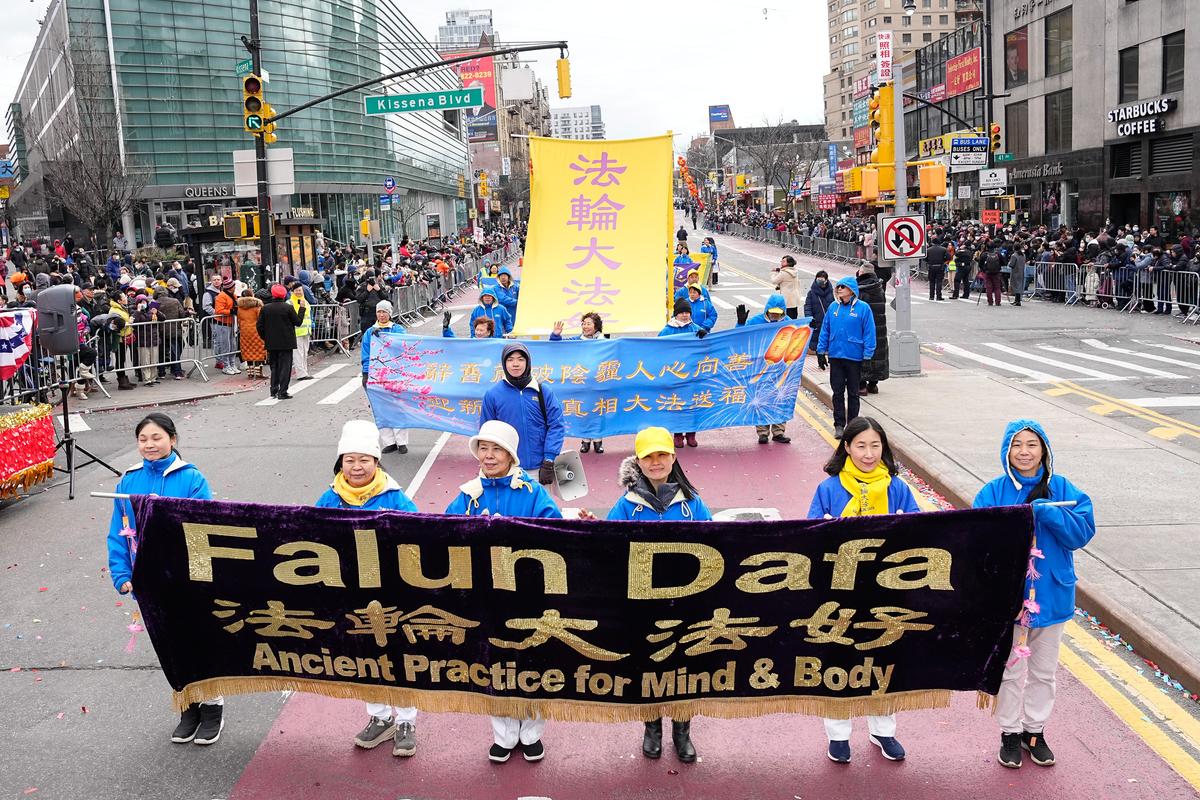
653,440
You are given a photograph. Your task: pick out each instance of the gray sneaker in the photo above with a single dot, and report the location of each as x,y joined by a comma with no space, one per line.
404,743
376,733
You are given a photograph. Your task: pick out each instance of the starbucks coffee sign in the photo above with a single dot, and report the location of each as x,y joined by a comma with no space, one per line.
1142,118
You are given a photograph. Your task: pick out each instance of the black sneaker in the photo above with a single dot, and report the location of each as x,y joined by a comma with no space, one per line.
837,431
762,438
377,732
1010,750
1039,752
534,752
391,448
404,743
212,722
189,721
499,754
402,449
779,438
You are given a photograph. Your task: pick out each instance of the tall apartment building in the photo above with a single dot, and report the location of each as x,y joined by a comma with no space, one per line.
577,122
464,27
853,25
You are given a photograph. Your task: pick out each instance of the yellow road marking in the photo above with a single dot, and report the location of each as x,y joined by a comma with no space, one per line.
1165,427
759,281
1154,736
1147,690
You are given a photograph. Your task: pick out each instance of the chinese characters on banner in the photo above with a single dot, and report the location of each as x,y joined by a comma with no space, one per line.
883,56
746,376
963,73
581,620
599,225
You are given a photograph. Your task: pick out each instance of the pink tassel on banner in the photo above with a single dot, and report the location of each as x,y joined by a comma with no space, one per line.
1019,652
134,630
130,534
1032,606
1031,571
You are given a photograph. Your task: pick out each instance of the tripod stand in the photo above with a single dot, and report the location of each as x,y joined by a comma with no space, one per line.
68,446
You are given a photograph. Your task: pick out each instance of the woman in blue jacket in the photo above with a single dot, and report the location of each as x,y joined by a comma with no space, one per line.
503,489
709,246
656,489
164,473
358,482
591,329
395,440
530,408
490,307
507,292
704,313
682,322
863,481
1027,691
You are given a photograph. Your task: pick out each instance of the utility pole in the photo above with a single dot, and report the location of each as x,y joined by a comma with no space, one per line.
905,346
266,249
986,57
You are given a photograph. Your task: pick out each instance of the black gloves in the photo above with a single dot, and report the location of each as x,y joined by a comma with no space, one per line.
364,380
446,320
742,315
546,473
700,334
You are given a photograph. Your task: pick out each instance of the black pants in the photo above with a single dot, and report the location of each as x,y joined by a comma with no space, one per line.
962,277
280,362
794,312
936,276
844,375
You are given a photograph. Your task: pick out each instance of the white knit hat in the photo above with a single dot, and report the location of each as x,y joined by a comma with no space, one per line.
384,305
496,432
359,436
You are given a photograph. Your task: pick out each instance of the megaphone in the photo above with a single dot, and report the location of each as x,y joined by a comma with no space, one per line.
569,480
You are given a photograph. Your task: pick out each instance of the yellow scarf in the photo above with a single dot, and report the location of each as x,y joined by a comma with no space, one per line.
868,490
357,496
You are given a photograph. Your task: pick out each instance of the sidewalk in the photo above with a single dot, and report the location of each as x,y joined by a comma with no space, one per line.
1141,572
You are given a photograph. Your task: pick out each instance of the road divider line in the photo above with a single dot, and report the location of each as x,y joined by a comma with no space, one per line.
1158,373
1106,404
340,394
415,485
749,277
1012,351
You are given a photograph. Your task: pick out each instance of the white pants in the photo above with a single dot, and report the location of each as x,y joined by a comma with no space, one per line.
1027,690
508,732
219,700
396,436
393,712
300,358
838,730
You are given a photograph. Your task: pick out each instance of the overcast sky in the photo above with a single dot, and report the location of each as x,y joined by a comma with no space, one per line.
651,66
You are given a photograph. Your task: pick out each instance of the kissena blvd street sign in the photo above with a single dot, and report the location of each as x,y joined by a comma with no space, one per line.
423,101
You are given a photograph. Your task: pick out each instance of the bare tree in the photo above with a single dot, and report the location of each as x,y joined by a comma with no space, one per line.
407,210
83,168
781,151
515,193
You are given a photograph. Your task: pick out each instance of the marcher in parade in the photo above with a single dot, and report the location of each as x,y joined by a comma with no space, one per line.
682,322
787,283
693,276
591,327
507,292
502,488
395,440
360,482
1028,688
816,303
490,307
277,323
704,313
530,408
774,313
864,481
164,473
656,489
710,246
847,338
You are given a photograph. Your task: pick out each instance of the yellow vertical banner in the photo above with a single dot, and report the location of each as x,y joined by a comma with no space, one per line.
596,234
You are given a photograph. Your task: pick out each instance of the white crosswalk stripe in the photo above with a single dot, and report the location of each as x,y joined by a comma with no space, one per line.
1158,373
298,387
1188,351
348,388
748,301
1067,365
1032,374
1099,345
719,303
1053,362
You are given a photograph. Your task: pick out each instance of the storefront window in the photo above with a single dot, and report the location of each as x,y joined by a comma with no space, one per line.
1058,121
1172,212
1016,57
1058,42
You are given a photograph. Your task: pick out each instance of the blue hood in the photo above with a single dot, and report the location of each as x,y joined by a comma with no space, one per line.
776,303
490,292
305,277
850,282
504,271
1013,428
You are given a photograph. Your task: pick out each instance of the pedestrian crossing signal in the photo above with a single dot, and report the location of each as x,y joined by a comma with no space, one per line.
564,78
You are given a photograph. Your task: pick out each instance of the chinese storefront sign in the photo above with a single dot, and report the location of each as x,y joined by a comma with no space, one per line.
600,223
583,620
883,56
963,73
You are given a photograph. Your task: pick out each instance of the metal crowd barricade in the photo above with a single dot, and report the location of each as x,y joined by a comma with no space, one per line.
41,376
215,341
1187,295
336,324
153,349
1060,282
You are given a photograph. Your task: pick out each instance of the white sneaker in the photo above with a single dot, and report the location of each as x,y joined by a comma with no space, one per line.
230,371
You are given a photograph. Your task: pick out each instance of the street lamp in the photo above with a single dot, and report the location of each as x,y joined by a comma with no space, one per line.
910,7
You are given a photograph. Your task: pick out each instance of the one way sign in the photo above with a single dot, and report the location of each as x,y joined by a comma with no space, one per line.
902,237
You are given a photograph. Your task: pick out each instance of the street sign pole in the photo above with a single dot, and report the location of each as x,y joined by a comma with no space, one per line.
266,249
905,347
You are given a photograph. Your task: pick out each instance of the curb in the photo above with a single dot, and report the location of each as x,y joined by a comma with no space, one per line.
175,401
1147,641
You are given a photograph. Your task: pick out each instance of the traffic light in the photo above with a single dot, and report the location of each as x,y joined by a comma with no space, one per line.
932,178
994,134
869,183
235,225
882,117
564,78
252,104
269,136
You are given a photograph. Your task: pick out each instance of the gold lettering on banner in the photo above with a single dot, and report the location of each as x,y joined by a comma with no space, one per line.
552,625
809,674
201,550
641,569
324,561
846,561
932,572
792,573
681,682
458,572
504,572
367,547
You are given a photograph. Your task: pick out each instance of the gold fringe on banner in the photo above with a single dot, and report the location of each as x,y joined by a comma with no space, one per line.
575,710
21,481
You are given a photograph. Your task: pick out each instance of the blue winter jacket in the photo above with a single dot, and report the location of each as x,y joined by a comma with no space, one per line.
682,294
848,330
368,339
708,248
831,497
1059,530
633,506
508,297
817,302
515,495
672,329
775,301
391,498
557,337
496,312
541,437
166,477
